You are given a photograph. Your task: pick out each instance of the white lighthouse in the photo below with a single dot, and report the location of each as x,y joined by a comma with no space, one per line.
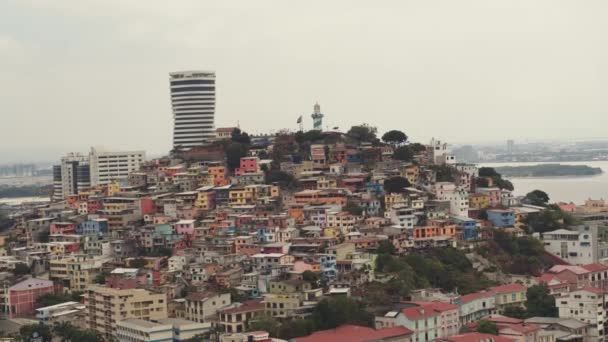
317,118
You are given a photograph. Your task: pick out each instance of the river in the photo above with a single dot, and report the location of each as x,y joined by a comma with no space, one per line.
562,189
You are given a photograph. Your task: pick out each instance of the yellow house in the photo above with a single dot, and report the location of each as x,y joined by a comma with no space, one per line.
205,179
113,188
205,200
392,199
331,232
479,201
509,295
275,191
411,173
325,183
241,196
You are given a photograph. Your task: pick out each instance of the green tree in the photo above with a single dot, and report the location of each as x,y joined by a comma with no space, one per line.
21,269
488,172
333,312
363,133
27,332
100,278
504,184
284,179
537,197
515,312
403,153
386,247
353,208
5,221
444,173
540,302
482,182
394,137
138,263
234,152
417,147
310,136
240,137
487,327
395,184
264,323
549,219
296,328
43,236
311,277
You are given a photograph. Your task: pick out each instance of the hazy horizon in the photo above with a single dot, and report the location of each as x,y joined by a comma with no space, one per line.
87,73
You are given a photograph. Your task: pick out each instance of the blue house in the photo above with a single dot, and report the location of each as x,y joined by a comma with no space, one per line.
328,265
501,218
467,227
354,158
92,227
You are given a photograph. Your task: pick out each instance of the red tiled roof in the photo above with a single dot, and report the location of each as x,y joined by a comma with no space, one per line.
521,328
500,319
477,295
574,269
475,337
509,288
427,309
354,333
248,306
595,267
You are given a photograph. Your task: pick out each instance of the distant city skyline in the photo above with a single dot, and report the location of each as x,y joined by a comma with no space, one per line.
464,72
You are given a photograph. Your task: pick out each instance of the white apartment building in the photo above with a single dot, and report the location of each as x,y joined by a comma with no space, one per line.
586,305
580,246
168,329
439,153
193,104
458,198
107,166
403,216
77,172
203,306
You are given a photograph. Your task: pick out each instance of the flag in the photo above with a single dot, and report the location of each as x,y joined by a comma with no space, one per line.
299,119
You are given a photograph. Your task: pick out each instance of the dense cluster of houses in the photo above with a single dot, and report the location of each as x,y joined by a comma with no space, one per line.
186,246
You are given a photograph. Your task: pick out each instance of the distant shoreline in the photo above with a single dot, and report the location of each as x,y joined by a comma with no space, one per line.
548,170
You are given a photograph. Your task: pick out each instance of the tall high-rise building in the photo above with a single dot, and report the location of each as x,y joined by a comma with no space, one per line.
510,146
193,104
70,176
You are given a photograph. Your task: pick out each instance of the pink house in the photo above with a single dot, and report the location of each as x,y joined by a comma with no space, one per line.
247,165
21,298
184,227
62,228
93,206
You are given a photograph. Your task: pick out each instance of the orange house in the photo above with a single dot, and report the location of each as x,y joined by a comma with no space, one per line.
321,197
436,228
219,175
296,212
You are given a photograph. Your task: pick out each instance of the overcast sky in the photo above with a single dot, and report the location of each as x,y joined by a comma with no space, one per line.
77,73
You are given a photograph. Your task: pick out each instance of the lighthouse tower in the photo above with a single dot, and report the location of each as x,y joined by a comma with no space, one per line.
317,118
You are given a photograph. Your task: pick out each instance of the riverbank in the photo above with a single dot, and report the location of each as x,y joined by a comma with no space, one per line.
575,189
548,170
